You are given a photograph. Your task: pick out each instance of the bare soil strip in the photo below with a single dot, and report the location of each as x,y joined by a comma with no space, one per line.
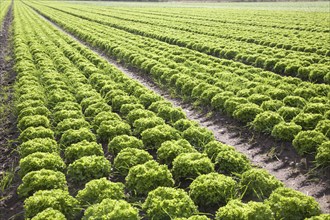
277,157
10,205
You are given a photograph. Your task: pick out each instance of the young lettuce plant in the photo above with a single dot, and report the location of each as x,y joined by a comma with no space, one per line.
56,198
165,203
98,189
111,209
89,167
145,177
130,157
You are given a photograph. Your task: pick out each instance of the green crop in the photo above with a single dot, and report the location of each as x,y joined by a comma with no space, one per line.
74,136
36,132
94,109
307,121
125,109
139,113
89,167
191,165
130,157
184,124
289,204
324,127
308,141
110,129
258,183
45,145
37,161
231,162
57,199
212,189
286,131
265,121
49,214
70,123
170,114
154,137
145,177
214,147
169,150
104,116
121,142
247,112
143,124
166,203
41,180
81,149
198,136
237,210
323,154
111,209
98,189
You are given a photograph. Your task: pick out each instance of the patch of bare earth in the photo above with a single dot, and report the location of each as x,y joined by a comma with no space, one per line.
11,206
278,157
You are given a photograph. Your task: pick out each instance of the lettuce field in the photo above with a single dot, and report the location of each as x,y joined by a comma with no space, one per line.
164,111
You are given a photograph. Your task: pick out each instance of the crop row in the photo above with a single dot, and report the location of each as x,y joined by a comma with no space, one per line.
287,108
305,65
3,10
313,22
270,37
71,102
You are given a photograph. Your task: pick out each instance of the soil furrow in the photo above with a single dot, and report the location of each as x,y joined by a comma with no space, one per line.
279,158
11,206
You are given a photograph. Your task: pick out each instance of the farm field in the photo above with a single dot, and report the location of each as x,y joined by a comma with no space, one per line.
117,110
